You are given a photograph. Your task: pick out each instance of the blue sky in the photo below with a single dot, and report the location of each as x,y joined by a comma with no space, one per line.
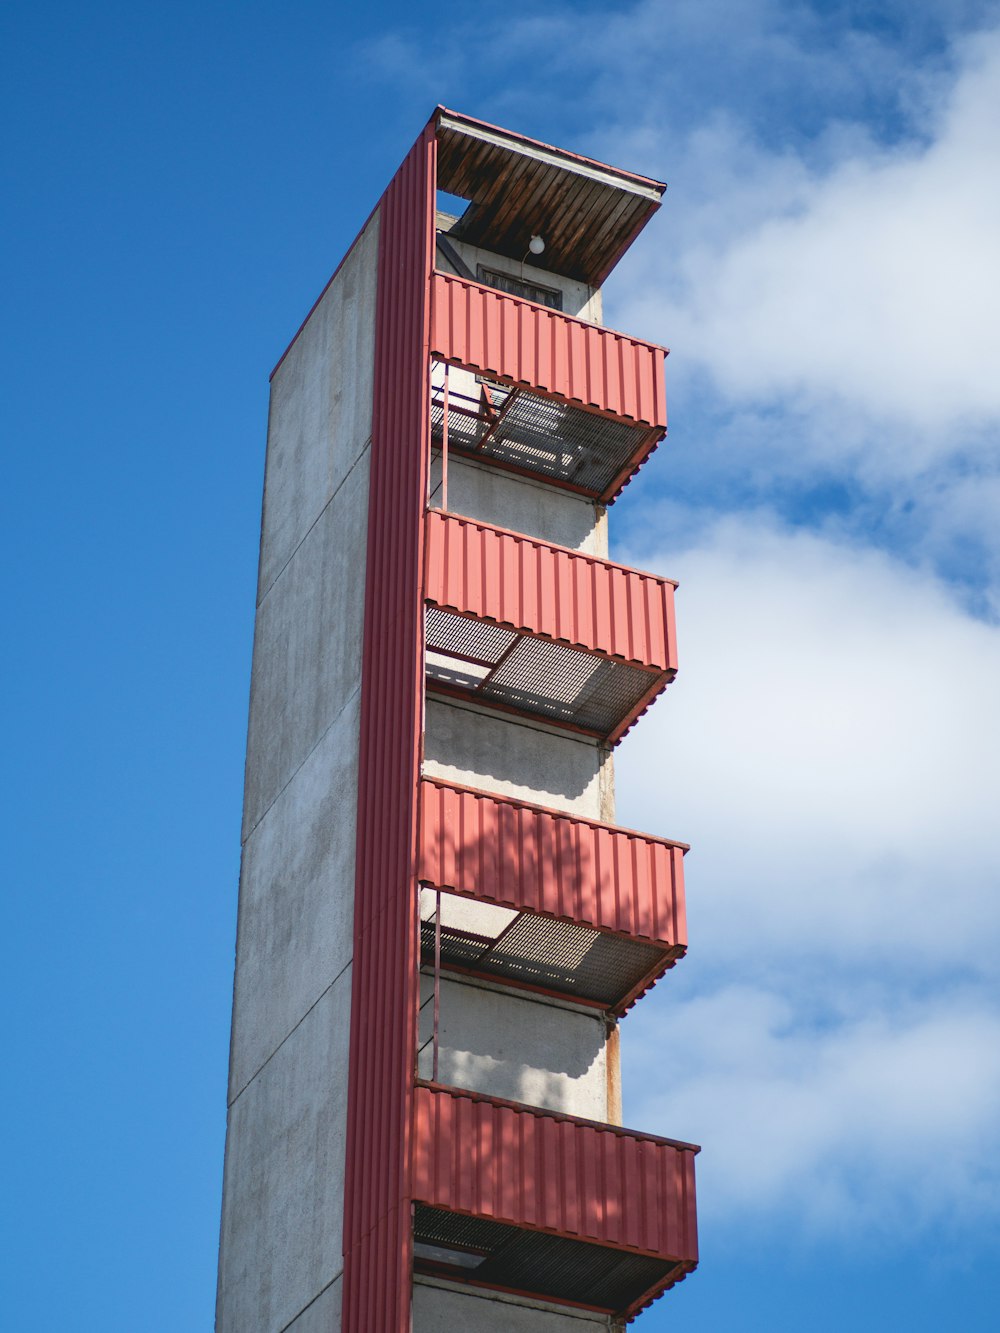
180,181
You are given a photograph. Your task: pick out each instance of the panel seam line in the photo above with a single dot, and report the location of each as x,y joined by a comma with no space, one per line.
290,1033
298,545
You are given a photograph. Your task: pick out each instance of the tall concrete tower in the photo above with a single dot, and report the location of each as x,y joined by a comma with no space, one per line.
440,923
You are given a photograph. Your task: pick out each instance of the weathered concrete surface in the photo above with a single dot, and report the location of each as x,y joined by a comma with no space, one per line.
307,644
321,407
284,1176
296,898
323,1315
509,501
443,1309
497,753
283,1194
504,1044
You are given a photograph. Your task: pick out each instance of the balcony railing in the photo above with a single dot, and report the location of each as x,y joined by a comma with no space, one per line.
594,913
541,630
549,1206
577,404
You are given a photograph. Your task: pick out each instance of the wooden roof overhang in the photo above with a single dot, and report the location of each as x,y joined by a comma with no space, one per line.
587,212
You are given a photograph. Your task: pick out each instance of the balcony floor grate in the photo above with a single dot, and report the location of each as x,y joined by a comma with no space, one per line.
570,959
531,675
536,434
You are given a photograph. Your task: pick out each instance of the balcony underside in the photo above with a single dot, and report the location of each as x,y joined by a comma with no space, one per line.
541,437
555,957
549,1205
494,665
485,1253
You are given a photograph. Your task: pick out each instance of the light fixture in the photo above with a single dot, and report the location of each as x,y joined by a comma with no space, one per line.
536,245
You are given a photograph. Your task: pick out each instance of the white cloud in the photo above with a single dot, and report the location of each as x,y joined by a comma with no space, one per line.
882,289
865,286
874,1122
831,748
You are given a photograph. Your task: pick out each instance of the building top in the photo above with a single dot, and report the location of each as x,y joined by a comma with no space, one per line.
588,213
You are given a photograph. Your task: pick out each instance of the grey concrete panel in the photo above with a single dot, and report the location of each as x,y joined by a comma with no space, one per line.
504,1044
296,898
508,501
497,753
284,1178
323,1316
440,1309
307,645
321,406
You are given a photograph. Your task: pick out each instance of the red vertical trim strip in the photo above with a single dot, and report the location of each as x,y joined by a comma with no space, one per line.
377,1190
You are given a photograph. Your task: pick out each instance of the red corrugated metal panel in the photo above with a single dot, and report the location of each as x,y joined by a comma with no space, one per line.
377,1229
598,1183
520,342
487,572
556,864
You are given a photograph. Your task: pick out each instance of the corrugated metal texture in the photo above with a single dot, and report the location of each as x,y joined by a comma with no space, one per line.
544,861
588,212
377,1231
519,342
487,1158
479,570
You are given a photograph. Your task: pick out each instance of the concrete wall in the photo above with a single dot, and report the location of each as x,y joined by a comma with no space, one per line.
530,761
509,501
504,1043
440,1307
280,1253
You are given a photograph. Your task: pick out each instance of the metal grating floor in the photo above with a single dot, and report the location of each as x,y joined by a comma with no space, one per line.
573,960
537,434
548,680
497,1254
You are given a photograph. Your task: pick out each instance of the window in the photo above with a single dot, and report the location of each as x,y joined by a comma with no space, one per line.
528,291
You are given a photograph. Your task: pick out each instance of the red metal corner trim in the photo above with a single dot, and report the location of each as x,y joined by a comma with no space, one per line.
377,1226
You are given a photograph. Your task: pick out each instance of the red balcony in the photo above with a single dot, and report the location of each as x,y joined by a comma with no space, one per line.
549,1206
576,404
595,913
544,631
